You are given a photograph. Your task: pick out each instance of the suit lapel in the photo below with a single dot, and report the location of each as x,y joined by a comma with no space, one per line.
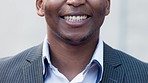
113,72
32,71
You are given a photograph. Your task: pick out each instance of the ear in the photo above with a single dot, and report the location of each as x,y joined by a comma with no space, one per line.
107,7
39,6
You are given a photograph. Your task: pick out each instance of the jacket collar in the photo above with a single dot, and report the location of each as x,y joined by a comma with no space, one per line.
113,72
110,56
32,71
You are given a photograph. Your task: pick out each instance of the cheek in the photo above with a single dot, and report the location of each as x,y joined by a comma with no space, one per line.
52,7
53,4
98,8
97,5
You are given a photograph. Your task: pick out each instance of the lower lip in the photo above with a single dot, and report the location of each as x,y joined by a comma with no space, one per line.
77,24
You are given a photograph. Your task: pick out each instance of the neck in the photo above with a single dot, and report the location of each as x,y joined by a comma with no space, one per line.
69,59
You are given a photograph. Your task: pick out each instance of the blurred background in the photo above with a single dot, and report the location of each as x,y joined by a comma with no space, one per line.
125,28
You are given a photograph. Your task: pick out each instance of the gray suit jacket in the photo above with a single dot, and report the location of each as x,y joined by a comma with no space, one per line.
26,67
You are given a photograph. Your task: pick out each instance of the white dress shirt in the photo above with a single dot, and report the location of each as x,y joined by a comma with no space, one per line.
88,75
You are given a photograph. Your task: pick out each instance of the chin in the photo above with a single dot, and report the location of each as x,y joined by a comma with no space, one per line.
76,41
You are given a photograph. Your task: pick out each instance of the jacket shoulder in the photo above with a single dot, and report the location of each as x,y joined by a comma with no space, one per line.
12,66
21,56
130,62
124,58
134,69
13,59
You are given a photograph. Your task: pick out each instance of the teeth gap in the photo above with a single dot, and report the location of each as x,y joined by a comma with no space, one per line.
62,17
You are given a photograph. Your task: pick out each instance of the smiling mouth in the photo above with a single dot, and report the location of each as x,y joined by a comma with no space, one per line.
75,18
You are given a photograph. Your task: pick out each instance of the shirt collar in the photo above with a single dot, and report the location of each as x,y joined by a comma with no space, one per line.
45,53
97,56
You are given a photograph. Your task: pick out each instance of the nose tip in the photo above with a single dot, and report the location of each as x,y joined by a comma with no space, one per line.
76,3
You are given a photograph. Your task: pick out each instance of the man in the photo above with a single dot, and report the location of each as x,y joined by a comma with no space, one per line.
73,51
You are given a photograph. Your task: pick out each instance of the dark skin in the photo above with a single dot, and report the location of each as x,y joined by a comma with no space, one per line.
72,44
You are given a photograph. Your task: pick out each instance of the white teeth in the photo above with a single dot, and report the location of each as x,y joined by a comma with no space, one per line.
75,18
